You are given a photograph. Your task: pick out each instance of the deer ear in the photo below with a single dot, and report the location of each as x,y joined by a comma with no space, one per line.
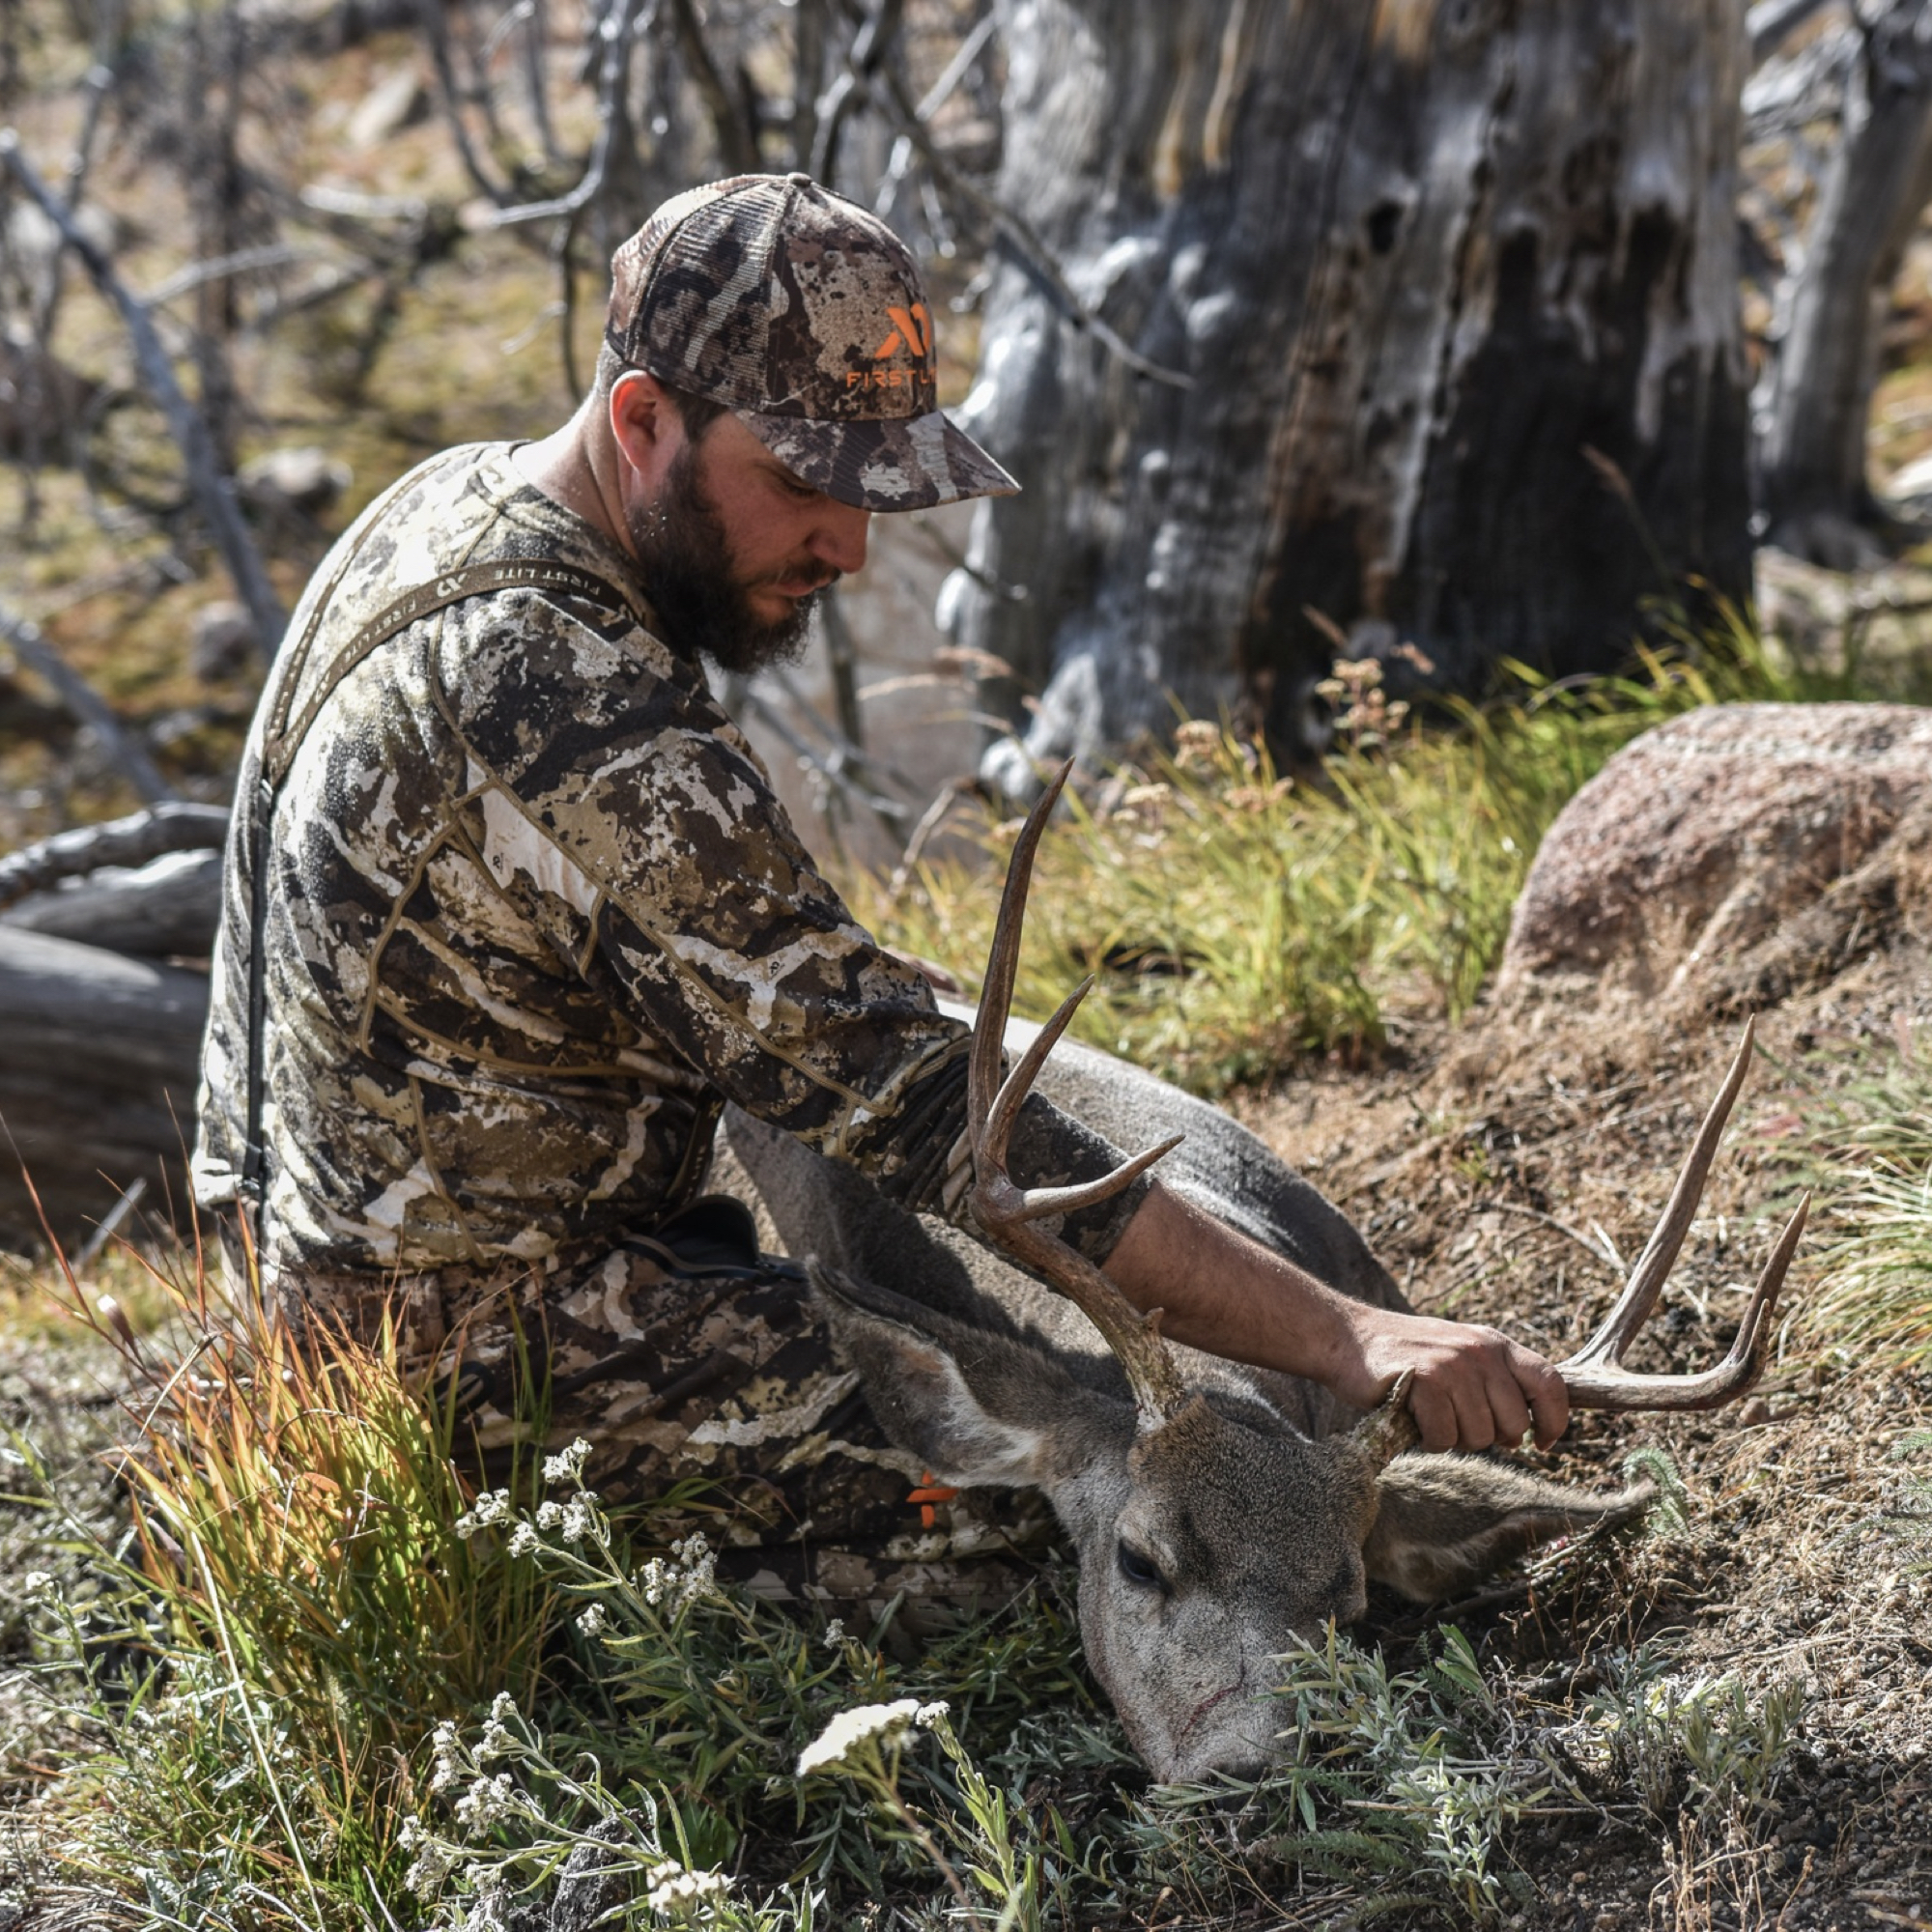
974,1407
1445,1522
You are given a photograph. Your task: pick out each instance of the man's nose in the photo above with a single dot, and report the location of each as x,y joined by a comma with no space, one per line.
840,538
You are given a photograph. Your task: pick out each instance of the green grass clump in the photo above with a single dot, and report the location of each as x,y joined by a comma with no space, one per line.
1872,1168
1236,916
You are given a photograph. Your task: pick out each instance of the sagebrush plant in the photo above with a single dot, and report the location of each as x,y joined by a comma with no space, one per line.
1236,916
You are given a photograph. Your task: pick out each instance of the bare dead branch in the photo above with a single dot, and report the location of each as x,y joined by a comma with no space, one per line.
449,98
621,28
1019,234
219,267
932,100
737,134
213,487
863,64
90,709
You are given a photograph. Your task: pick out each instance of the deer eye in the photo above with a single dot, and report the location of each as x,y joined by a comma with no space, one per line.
1139,1569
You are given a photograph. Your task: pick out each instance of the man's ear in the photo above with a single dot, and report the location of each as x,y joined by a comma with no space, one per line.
1444,1522
644,422
974,1407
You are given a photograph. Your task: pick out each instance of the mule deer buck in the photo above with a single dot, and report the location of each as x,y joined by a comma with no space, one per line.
1217,1511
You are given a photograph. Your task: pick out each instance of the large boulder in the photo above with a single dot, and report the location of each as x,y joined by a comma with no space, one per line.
1733,856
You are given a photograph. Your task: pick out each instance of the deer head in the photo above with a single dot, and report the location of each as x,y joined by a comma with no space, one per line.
1210,1529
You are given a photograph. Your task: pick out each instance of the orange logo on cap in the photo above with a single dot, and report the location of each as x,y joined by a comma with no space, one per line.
912,328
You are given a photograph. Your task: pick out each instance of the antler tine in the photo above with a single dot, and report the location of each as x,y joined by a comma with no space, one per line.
1018,1084
1043,1202
1653,1267
1006,1212
1610,1386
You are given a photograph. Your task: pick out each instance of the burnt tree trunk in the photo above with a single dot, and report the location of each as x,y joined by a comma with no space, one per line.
1812,456
1452,286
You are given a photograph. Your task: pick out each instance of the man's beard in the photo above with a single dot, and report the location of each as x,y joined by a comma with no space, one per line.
686,559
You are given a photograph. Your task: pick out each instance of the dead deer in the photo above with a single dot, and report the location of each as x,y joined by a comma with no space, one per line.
1216,1510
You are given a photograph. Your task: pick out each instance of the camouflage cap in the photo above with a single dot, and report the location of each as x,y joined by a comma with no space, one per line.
804,314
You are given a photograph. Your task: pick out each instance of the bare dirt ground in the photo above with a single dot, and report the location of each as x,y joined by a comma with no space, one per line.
1460,1159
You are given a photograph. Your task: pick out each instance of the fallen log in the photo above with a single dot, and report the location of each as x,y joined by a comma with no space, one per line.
99,1055
134,840
166,909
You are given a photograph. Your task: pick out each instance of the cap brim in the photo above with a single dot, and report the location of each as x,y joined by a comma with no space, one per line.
901,462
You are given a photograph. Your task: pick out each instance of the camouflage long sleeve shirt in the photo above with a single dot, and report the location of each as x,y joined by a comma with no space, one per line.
531,913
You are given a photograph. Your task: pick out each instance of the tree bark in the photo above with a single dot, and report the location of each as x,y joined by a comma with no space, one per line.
100,1057
1425,264
1811,460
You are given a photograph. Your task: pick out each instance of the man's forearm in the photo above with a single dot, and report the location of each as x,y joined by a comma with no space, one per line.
1227,1294
1230,1297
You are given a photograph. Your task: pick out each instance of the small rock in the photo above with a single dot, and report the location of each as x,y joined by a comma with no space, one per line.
394,100
303,480
222,640
1754,1414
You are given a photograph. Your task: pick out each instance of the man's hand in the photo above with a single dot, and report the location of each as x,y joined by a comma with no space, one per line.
1473,1387
1223,1292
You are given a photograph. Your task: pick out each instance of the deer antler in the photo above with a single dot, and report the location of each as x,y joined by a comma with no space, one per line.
1009,1214
1595,1374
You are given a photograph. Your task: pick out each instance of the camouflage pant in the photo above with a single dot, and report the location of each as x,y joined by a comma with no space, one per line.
689,1358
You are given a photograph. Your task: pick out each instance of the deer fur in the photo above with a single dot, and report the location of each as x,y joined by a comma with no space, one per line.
1256,1513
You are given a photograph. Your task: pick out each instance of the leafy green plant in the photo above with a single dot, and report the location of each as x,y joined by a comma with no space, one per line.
1698,1740
1402,1784
1911,1514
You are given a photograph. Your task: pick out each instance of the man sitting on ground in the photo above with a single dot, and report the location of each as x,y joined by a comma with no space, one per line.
512,912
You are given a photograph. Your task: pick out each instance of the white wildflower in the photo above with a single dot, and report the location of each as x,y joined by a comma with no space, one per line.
548,1515
576,1522
524,1541
672,1889
594,1621
568,1466
491,1507
486,1801
678,1580
446,1748
37,1583
654,1580
497,1740
870,1724
503,1708
432,1864
835,1633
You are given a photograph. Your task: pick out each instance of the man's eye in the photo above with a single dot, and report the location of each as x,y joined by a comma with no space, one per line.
1139,1569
